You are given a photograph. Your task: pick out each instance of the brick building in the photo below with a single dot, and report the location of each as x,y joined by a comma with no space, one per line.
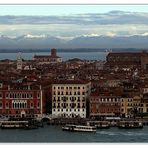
21,100
47,59
127,60
103,105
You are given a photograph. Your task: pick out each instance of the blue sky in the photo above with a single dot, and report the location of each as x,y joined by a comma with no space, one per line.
70,21
66,9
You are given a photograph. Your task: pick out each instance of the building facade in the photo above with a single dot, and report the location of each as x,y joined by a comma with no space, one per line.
127,60
69,98
48,59
21,100
104,105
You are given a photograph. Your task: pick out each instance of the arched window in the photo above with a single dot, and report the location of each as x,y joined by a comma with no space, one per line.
22,105
14,105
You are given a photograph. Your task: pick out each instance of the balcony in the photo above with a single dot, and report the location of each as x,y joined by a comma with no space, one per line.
73,99
58,100
54,106
58,106
78,106
64,99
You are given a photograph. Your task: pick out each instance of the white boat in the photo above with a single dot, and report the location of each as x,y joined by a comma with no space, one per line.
79,128
13,124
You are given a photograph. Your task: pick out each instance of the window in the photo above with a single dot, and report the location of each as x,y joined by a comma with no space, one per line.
13,106
83,99
38,105
31,104
0,104
78,98
23,105
7,105
38,95
0,95
22,95
83,106
7,95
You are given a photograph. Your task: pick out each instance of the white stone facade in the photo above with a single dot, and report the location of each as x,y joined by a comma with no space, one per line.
69,100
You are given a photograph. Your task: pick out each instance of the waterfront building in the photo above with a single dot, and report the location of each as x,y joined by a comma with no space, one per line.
105,104
126,106
21,99
134,106
48,59
69,98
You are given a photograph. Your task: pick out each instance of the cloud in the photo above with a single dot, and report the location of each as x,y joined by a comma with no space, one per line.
114,23
112,17
144,34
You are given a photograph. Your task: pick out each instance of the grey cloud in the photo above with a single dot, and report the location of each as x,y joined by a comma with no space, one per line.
113,17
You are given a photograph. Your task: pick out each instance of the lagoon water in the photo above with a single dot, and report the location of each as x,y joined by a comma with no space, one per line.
64,55
54,134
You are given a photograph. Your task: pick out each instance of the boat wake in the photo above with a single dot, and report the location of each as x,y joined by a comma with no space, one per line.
121,133
107,133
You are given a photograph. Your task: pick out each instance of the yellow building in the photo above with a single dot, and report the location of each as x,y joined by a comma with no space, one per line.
134,106
126,106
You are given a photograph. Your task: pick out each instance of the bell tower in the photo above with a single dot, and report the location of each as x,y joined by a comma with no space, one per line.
19,61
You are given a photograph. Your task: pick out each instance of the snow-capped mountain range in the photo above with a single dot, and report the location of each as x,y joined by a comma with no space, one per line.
85,41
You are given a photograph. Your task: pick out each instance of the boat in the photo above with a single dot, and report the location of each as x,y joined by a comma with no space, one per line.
99,124
130,124
28,127
79,128
13,124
